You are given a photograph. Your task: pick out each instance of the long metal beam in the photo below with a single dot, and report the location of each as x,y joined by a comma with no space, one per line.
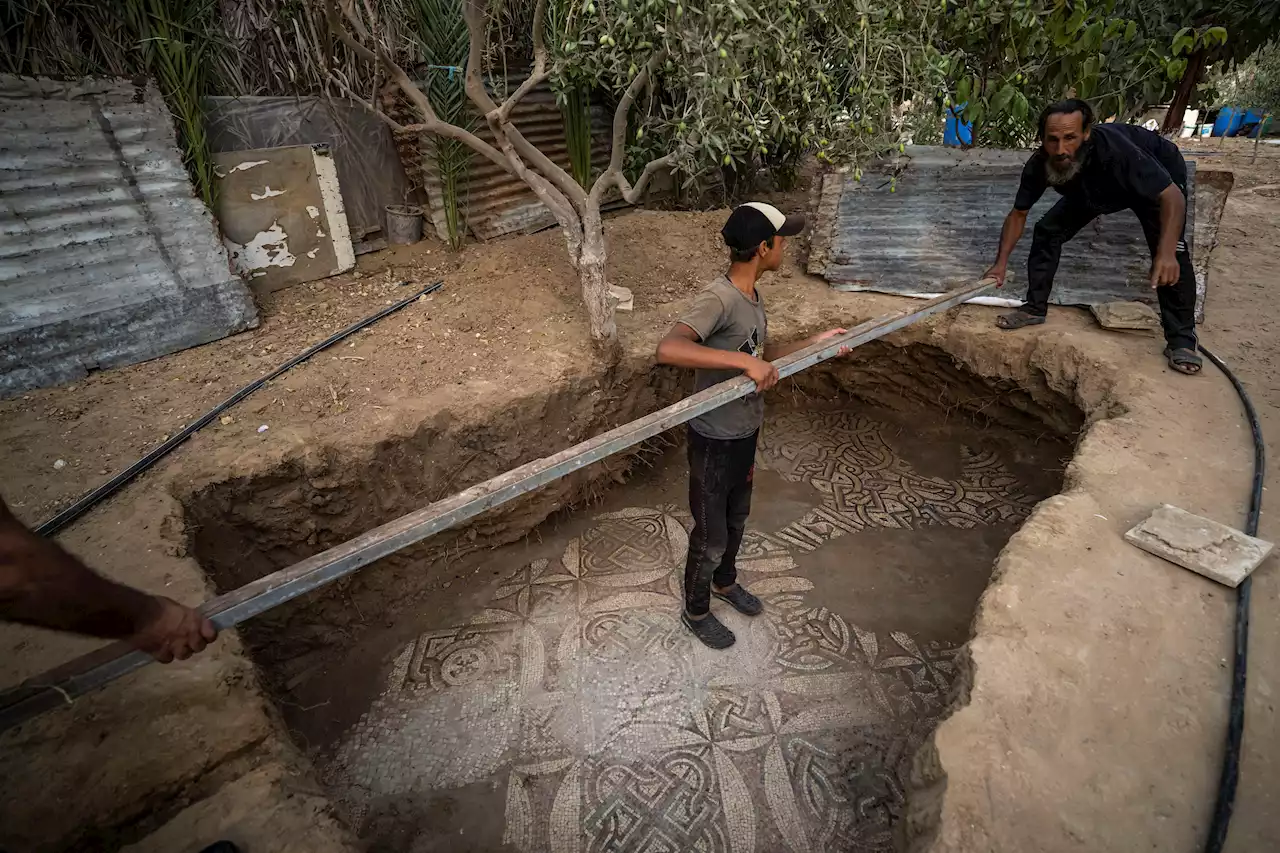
84,674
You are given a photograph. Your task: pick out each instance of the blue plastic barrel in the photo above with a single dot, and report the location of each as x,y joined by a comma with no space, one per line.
957,132
1253,122
1228,121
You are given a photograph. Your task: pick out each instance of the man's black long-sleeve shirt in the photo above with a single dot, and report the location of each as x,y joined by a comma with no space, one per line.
1124,166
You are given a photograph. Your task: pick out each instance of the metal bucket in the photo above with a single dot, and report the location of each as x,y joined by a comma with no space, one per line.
404,224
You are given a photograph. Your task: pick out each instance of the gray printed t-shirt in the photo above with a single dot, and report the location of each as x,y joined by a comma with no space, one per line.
725,319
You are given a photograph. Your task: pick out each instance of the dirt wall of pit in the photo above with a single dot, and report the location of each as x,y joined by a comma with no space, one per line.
1091,712
243,527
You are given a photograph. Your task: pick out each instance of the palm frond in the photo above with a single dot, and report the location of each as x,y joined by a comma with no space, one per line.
177,41
174,41
575,107
443,42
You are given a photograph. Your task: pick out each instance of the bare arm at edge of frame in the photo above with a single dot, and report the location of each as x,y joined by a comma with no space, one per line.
44,585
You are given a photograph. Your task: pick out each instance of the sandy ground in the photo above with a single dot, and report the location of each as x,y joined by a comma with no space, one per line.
1242,325
507,309
502,321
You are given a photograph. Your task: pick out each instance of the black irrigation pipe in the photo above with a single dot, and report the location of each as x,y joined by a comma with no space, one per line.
1230,778
109,488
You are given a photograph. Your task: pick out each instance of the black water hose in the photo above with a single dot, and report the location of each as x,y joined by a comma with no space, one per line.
95,497
1230,778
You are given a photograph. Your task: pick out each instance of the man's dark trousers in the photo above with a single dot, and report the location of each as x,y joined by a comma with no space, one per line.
1065,219
720,475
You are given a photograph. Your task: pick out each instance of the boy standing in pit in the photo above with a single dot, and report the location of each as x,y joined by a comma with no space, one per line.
723,334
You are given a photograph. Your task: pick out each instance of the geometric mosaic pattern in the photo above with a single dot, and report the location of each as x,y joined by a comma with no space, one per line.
864,484
612,729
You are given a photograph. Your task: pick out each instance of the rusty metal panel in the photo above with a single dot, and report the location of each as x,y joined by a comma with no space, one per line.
106,256
939,225
369,167
282,215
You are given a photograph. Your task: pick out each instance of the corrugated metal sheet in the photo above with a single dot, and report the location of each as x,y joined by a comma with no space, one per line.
106,258
495,202
940,226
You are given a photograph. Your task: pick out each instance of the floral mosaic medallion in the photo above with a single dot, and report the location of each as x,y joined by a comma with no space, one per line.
577,690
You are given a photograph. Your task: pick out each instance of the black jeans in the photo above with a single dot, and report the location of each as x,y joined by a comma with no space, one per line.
1065,219
720,475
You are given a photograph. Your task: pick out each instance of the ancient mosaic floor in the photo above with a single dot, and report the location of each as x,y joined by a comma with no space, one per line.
611,729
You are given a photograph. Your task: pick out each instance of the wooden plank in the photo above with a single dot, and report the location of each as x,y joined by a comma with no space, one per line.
87,673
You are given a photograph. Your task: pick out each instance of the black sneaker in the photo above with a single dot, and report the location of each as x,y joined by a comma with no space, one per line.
742,601
710,630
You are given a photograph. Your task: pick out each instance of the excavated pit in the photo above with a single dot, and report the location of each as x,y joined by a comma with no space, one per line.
524,683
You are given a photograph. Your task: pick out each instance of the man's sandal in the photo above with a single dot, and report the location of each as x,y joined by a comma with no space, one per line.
1018,320
1184,361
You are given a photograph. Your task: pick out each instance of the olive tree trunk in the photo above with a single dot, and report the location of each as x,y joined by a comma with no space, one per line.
576,210
1186,88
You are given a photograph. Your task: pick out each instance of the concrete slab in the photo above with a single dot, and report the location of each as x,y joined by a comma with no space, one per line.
1202,545
1126,317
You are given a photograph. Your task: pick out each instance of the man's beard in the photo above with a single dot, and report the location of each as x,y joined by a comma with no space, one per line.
1058,175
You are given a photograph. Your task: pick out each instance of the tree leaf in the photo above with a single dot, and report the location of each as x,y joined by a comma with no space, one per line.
1092,39
1183,41
1088,86
1002,99
975,112
1077,17
1020,106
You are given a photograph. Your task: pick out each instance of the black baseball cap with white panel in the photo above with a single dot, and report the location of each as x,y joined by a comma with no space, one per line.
752,223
